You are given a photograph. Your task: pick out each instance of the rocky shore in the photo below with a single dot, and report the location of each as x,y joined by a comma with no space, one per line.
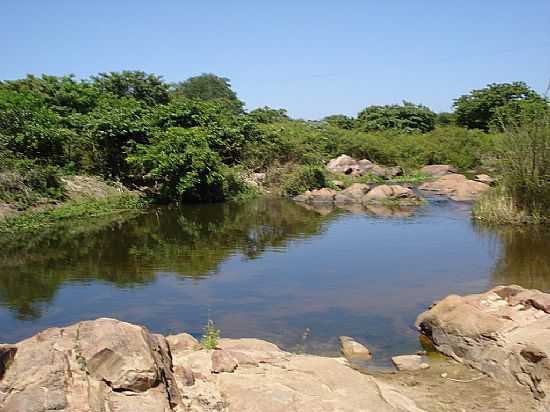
497,347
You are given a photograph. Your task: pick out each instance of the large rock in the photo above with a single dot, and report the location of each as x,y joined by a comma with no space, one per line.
391,193
347,165
504,333
438,170
111,366
102,365
409,362
457,187
324,195
344,164
352,194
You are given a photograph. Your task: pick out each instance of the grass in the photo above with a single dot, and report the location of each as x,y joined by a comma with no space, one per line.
34,221
211,336
415,177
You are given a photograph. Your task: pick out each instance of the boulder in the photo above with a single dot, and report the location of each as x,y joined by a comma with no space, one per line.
504,333
457,187
338,184
182,342
367,167
344,164
488,180
409,362
324,195
438,170
350,348
91,366
222,361
352,194
388,193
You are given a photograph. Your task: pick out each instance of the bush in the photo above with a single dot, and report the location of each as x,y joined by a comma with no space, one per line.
304,178
408,118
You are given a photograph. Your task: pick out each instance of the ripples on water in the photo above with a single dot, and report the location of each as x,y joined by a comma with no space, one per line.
267,268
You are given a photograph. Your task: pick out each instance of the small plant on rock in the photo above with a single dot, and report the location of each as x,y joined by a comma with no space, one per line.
211,335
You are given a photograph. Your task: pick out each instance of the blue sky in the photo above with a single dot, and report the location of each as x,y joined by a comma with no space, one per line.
312,57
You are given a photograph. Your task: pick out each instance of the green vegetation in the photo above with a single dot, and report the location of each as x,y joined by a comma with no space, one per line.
194,142
31,222
524,193
211,336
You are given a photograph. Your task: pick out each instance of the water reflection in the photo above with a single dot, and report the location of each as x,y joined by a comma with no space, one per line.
190,241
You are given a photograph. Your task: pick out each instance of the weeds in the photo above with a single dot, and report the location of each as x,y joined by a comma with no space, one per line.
211,335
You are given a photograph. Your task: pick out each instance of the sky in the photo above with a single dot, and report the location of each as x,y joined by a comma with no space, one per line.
313,58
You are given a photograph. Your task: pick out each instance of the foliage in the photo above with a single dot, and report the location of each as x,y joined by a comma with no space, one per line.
268,115
148,88
408,118
208,86
211,336
341,121
479,109
32,222
182,164
304,178
445,119
525,166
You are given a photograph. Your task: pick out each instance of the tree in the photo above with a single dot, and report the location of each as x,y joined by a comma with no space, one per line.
445,119
182,163
408,117
208,86
268,115
341,121
480,108
148,88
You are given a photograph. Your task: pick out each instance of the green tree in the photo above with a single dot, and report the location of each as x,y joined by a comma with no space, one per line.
183,165
341,121
113,129
148,88
268,115
480,109
408,117
208,86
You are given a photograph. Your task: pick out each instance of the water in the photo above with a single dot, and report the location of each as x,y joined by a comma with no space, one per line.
270,269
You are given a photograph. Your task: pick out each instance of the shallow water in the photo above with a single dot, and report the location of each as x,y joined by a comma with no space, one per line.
270,269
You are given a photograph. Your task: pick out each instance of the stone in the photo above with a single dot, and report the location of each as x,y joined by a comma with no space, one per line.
504,333
324,195
457,187
409,362
222,361
182,342
352,194
438,170
367,167
343,164
350,348
338,184
384,193
488,180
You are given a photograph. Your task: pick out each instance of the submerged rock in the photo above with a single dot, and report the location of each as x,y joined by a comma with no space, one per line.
504,333
457,187
409,362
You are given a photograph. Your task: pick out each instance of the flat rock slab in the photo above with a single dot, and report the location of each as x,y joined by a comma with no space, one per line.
410,362
457,187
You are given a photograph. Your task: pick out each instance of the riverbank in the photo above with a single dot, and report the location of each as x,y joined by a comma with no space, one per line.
107,364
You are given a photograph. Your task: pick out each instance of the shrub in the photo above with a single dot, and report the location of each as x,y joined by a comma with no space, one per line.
304,178
211,336
408,117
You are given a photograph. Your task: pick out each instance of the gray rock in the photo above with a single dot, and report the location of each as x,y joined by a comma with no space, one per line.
222,361
438,170
457,187
409,362
384,193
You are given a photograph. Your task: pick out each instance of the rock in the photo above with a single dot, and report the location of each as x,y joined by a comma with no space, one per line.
90,187
504,333
182,342
352,194
409,362
488,180
350,348
367,167
457,187
344,164
438,170
324,195
397,193
222,361
94,365
338,184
